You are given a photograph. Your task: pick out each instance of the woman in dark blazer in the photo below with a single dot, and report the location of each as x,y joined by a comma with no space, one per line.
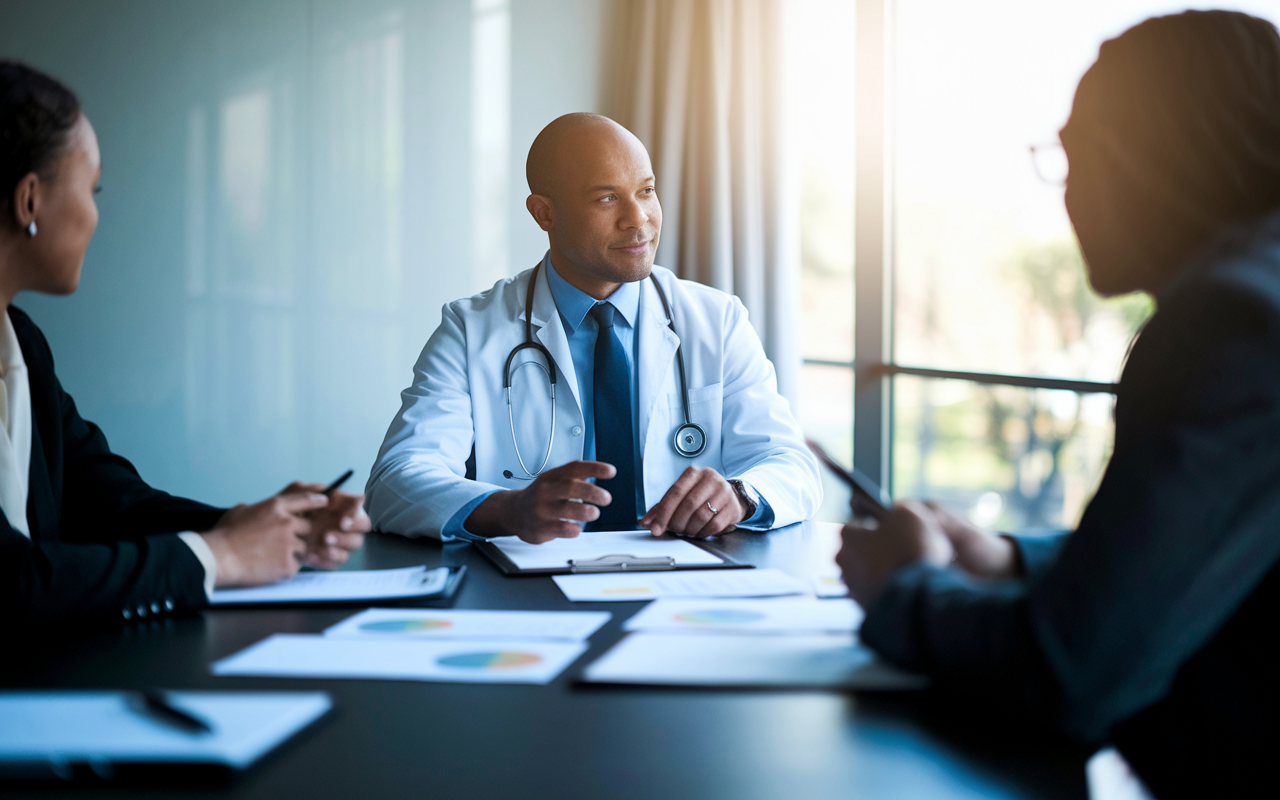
82,536
1147,626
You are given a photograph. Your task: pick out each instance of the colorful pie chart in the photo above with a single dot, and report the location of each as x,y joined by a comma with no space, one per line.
719,616
501,660
406,625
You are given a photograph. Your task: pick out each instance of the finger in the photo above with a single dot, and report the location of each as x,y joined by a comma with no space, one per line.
582,492
658,517
550,531
299,503
569,510
298,487
703,523
581,470
344,541
692,512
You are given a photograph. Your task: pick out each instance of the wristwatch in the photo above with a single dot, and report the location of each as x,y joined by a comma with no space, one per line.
748,495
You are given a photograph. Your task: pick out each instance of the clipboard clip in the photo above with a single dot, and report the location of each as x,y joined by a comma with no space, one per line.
621,563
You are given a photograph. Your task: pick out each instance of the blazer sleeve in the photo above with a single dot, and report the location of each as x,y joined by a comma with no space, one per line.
1180,532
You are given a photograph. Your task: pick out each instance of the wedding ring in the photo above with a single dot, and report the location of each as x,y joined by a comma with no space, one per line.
714,510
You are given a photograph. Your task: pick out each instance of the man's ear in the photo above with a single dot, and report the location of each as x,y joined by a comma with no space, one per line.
26,199
541,211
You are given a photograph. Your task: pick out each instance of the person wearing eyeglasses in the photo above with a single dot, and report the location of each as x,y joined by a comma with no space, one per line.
1148,626
594,391
82,536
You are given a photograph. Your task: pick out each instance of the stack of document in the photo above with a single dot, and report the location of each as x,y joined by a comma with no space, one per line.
453,646
755,643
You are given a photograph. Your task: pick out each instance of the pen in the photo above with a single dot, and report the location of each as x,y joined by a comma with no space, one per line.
337,484
157,704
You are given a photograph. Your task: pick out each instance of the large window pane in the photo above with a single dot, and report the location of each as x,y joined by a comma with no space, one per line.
987,273
1003,456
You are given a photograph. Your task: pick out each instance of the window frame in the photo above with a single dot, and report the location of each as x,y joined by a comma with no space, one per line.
874,366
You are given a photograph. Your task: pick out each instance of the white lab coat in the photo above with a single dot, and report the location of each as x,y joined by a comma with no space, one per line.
457,400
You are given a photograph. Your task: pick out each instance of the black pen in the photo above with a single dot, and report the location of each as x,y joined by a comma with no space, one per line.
336,485
157,704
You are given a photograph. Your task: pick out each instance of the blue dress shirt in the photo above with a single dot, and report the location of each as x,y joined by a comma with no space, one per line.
580,329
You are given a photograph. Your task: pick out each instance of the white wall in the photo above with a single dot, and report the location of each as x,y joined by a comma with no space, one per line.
291,190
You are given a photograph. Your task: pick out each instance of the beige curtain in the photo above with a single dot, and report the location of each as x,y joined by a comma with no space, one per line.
703,83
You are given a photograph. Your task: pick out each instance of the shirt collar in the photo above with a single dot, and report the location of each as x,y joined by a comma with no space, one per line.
10,351
574,304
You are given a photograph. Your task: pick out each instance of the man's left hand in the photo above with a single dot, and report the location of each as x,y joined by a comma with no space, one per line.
337,530
701,503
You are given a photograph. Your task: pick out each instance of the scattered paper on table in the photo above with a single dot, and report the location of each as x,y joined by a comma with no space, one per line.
631,586
780,616
402,623
589,546
345,586
451,661
830,585
815,660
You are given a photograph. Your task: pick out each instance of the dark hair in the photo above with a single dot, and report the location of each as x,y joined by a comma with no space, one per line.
37,114
1191,104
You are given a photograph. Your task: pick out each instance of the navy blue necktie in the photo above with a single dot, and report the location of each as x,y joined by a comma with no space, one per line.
615,440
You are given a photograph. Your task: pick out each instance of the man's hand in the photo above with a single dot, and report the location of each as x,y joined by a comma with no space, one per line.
337,530
262,543
909,532
687,506
556,505
980,553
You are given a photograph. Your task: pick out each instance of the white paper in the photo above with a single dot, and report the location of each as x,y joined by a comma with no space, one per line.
412,623
830,585
630,586
785,615
816,660
37,726
351,585
287,655
640,544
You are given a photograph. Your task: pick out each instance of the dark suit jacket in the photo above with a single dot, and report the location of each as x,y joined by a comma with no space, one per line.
1147,625
102,541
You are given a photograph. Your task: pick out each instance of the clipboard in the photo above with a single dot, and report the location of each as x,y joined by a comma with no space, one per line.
612,562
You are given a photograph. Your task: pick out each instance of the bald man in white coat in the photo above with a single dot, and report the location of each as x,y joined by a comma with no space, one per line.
461,461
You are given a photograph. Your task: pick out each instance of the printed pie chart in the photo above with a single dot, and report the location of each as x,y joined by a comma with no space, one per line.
508,659
719,616
406,625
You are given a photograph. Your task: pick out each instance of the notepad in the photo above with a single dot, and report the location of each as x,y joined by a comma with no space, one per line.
638,545
405,623
830,660
340,587
44,734
776,616
451,661
615,587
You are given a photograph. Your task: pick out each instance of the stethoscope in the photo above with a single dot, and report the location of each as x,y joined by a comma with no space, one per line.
690,440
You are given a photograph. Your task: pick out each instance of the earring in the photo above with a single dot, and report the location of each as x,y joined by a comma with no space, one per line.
31,229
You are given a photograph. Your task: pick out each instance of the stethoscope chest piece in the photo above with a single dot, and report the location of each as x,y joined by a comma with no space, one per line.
690,440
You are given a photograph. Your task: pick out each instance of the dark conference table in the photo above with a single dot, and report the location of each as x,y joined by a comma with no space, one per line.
389,739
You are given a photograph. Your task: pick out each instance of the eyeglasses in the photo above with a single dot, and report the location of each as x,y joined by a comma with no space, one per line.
1050,163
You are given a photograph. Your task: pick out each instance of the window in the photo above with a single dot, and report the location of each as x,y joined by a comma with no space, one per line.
978,368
